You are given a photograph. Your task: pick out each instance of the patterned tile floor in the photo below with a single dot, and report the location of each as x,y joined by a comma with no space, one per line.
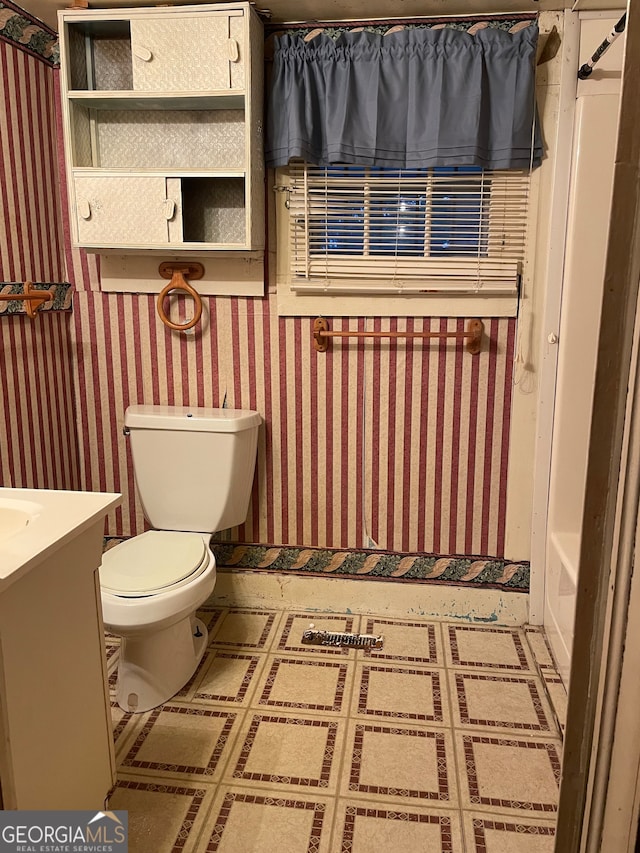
446,740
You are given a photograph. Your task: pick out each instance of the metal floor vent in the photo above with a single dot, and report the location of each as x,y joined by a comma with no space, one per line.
331,638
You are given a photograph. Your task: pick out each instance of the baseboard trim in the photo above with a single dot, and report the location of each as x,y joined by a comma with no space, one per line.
313,594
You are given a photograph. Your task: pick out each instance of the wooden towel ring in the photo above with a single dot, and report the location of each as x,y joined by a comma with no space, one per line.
177,272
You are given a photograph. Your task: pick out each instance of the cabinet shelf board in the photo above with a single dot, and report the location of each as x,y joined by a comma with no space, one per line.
93,19
129,100
167,248
97,171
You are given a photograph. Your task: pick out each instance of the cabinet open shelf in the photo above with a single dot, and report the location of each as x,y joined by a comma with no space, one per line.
166,139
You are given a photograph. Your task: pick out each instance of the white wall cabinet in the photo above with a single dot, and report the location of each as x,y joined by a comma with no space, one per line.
163,127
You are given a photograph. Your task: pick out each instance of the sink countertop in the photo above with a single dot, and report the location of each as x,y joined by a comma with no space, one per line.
62,515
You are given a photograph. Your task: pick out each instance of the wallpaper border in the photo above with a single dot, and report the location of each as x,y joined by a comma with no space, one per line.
62,300
367,564
28,33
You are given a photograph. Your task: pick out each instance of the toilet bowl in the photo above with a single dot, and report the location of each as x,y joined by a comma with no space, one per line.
151,587
152,584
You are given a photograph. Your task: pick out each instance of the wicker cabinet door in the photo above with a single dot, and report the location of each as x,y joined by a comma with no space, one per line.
186,54
121,211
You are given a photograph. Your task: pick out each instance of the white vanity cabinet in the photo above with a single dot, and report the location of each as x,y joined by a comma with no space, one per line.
56,740
162,112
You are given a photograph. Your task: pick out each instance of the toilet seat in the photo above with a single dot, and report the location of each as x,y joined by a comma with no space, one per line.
152,563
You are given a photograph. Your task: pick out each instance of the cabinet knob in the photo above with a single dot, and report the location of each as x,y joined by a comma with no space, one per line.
234,50
169,208
142,53
84,209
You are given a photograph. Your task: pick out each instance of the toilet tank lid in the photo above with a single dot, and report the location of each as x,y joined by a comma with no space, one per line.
194,418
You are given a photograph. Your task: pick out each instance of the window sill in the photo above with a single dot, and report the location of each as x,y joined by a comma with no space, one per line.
292,304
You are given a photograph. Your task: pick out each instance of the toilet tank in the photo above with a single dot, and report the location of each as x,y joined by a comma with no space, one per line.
193,466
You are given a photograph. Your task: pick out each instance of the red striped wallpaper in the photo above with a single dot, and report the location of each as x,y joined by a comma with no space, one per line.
400,445
31,241
38,445
396,444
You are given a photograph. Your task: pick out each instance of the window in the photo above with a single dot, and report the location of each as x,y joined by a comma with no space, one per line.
402,234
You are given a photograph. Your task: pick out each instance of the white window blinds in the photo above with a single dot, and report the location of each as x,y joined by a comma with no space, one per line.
371,230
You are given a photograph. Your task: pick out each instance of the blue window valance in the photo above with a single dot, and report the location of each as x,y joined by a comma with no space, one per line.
414,98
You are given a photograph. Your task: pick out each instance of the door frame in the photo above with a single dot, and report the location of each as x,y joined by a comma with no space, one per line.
599,741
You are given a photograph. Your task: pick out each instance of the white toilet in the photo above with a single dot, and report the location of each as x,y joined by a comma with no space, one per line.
194,472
